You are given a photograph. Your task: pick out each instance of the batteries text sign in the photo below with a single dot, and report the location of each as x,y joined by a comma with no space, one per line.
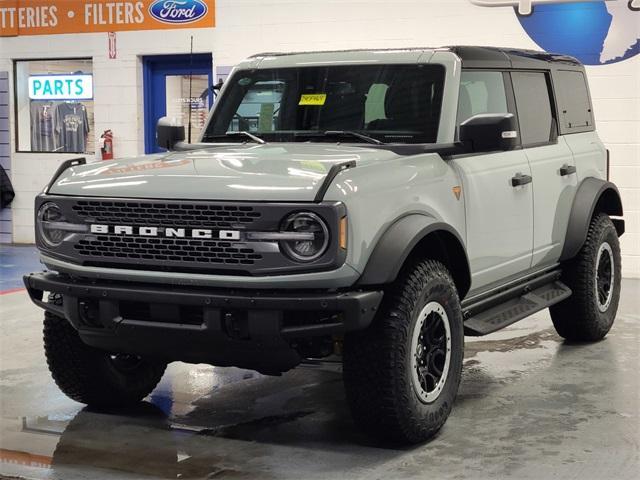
49,17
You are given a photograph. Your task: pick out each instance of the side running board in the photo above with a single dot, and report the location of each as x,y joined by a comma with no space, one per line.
496,313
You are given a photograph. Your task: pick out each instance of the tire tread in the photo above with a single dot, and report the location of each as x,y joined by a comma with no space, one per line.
80,371
578,318
375,381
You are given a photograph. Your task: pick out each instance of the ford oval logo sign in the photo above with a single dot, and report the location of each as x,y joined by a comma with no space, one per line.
178,11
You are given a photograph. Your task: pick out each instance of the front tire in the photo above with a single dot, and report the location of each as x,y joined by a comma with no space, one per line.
91,376
402,374
594,276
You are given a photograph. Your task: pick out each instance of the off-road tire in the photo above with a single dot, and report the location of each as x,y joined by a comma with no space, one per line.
579,318
377,361
88,375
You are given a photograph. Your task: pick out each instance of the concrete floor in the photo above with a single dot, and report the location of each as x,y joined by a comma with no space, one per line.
530,407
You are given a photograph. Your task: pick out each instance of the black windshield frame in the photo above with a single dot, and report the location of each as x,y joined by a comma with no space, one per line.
406,110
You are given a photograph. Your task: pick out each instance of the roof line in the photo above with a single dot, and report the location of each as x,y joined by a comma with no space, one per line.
466,53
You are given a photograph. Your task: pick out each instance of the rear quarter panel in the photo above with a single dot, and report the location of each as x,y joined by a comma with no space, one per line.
589,154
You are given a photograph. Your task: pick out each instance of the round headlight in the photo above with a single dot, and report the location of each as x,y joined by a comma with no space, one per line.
49,216
312,245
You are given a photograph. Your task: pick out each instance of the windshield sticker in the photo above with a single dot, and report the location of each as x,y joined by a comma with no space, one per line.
316,99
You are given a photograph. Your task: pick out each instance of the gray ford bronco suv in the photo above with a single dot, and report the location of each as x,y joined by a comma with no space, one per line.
376,205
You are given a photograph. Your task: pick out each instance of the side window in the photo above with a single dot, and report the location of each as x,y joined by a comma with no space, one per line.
533,101
481,92
574,97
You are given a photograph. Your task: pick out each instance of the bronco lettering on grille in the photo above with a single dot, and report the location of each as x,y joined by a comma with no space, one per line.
199,233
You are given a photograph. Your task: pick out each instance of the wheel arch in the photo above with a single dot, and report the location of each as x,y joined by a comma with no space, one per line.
594,195
417,236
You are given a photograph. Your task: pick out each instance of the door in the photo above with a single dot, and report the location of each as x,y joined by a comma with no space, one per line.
552,164
499,215
178,86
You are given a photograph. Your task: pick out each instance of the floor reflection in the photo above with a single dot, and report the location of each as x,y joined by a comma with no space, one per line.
138,441
545,406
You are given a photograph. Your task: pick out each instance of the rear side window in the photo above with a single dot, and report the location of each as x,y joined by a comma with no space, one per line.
534,107
575,108
481,92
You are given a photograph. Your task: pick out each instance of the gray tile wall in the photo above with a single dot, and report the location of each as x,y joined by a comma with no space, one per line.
5,152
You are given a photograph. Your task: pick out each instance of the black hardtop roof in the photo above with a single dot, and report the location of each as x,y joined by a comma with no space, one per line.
493,57
474,56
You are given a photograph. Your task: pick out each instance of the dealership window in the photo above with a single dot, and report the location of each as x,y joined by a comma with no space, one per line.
54,106
188,95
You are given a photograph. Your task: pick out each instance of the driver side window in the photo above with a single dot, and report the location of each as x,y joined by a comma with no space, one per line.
481,92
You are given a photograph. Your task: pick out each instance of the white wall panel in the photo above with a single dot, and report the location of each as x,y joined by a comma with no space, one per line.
6,215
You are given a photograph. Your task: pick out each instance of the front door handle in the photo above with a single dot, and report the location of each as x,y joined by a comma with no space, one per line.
521,179
567,170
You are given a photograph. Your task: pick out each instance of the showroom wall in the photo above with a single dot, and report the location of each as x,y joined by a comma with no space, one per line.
118,95
245,27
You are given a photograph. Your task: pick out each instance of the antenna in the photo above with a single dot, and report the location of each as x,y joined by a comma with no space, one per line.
190,88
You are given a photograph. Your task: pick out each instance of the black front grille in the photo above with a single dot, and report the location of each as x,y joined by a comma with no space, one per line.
172,214
205,252
181,252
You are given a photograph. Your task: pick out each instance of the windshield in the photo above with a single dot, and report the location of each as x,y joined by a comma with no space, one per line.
387,103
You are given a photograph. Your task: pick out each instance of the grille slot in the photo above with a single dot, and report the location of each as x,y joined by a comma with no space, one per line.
169,214
204,252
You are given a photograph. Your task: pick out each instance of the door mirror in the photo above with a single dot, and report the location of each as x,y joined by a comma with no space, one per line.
169,132
489,132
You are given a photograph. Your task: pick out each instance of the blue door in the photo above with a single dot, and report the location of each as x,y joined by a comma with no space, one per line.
176,86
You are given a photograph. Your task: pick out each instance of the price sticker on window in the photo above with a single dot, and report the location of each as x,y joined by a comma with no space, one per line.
316,99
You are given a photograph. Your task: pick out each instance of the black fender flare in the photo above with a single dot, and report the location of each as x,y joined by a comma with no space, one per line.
592,193
399,241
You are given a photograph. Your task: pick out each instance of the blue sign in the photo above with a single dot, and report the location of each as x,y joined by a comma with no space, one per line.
178,11
596,33
61,87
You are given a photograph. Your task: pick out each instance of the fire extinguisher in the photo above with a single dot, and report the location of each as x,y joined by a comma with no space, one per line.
106,145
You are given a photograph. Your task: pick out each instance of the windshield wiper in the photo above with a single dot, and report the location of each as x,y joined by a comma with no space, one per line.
250,136
338,133
350,133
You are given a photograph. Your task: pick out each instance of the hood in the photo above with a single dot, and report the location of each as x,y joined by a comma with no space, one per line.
273,172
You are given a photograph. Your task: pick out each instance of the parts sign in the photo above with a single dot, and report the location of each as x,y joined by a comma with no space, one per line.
49,17
61,87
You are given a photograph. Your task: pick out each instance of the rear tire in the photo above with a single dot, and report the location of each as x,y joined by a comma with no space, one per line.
594,276
402,374
91,376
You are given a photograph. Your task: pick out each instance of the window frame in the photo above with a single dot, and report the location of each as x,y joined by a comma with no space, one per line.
553,103
511,100
221,106
15,101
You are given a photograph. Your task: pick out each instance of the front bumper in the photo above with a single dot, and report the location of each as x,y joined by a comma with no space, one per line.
342,278
253,329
